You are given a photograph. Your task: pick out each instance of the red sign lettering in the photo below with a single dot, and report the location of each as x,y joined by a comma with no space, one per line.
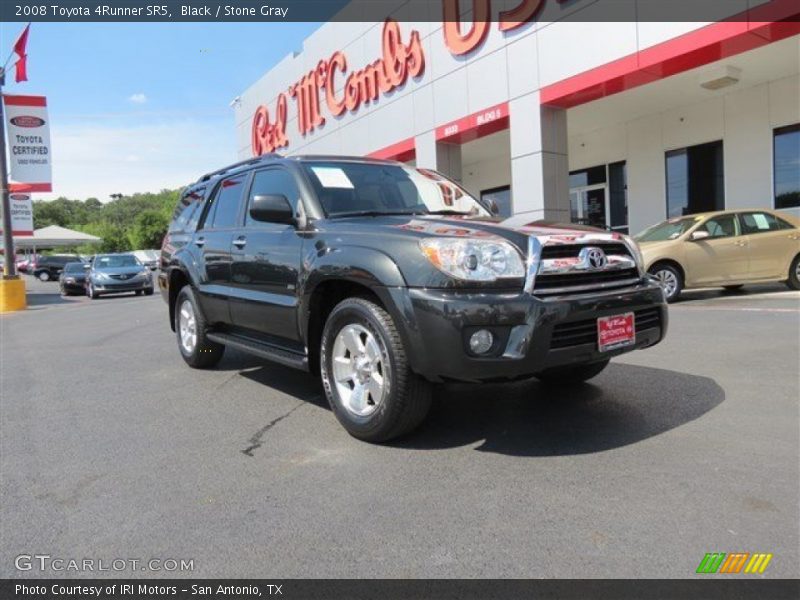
267,137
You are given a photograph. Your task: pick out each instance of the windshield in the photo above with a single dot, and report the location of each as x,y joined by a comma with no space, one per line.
74,267
111,261
667,230
352,188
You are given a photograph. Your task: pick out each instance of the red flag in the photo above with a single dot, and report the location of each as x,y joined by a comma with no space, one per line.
22,42
22,69
20,49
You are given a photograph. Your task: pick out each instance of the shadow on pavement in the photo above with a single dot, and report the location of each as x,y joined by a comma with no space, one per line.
627,404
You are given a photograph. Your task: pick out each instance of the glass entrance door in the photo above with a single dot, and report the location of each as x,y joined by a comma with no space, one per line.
588,205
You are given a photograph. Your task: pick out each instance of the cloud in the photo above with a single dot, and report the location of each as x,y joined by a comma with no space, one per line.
98,160
139,98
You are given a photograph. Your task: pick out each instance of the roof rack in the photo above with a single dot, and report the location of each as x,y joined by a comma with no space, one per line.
340,157
241,163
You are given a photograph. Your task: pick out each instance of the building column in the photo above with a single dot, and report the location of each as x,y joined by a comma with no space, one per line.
445,158
539,163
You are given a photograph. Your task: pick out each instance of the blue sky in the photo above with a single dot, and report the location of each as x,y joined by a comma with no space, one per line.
140,107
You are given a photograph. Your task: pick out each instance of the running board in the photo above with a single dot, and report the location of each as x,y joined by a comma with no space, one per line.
278,355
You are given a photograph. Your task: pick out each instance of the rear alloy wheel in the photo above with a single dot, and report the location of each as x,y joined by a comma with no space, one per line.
44,276
794,274
365,373
190,327
571,375
670,280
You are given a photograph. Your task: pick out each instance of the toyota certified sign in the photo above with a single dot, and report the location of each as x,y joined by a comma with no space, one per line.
21,215
28,143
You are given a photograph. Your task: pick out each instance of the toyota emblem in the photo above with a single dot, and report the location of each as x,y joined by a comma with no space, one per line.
593,257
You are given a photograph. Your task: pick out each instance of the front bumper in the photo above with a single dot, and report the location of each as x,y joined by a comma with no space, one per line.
110,287
533,334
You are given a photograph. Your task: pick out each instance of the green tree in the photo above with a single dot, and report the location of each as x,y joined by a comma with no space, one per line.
149,229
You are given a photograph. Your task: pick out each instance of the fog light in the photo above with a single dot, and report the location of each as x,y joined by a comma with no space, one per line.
481,341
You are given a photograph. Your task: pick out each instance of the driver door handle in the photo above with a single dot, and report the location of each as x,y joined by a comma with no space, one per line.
741,243
200,242
240,242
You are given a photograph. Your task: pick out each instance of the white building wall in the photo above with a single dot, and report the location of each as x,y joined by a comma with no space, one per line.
743,119
512,68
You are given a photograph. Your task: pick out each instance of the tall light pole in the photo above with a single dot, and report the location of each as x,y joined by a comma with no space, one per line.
9,266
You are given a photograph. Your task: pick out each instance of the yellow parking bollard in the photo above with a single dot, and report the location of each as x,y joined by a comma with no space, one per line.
12,295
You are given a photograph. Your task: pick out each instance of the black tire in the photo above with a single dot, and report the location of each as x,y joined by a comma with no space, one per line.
43,276
666,272
406,398
794,274
205,353
90,291
148,292
138,292
732,288
573,374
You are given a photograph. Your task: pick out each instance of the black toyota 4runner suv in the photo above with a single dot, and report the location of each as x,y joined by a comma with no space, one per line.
386,279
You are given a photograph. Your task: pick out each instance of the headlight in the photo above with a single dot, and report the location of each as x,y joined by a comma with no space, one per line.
474,260
145,274
100,276
69,279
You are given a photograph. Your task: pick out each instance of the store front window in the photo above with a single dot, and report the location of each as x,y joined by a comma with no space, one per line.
695,180
599,197
787,167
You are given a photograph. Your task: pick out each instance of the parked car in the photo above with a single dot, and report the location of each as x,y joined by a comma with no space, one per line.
149,258
73,278
116,273
27,263
723,249
48,268
386,279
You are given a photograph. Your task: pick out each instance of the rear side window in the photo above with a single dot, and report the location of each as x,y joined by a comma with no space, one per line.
187,210
759,222
272,181
223,211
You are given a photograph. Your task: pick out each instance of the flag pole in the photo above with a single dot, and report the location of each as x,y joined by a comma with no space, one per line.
9,265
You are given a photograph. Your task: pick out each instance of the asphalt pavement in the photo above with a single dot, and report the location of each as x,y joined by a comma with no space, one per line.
112,448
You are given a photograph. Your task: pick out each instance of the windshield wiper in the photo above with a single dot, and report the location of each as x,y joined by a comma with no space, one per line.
375,213
448,212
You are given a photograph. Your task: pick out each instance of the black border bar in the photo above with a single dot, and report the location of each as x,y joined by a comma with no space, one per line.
712,587
378,10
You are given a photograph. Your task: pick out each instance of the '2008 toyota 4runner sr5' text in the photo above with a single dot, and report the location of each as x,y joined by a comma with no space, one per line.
385,279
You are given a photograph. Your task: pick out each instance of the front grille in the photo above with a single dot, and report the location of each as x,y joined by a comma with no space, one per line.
578,282
122,277
572,250
578,333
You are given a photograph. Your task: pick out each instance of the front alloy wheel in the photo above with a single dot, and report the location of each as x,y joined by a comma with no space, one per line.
366,375
359,370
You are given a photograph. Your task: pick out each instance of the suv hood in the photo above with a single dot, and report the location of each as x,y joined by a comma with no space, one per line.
516,229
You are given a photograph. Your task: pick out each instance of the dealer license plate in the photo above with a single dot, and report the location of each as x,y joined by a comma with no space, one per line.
616,331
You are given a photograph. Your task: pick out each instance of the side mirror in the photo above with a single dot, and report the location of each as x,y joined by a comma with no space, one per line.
493,207
272,208
700,235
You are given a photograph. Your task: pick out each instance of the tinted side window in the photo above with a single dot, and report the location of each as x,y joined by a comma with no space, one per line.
186,212
758,222
224,208
272,181
720,227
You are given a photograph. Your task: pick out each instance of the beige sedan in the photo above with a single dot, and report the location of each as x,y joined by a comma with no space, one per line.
723,249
